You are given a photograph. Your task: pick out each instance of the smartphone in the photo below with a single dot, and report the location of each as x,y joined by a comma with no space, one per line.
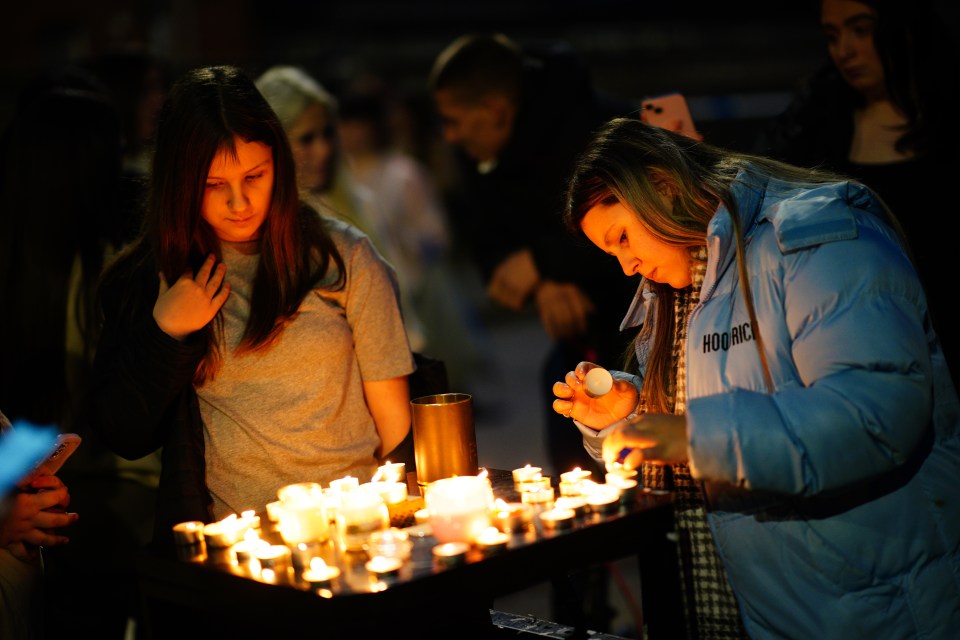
669,111
66,444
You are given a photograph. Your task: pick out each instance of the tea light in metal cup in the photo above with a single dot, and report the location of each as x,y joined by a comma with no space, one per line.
223,533
392,492
628,487
510,517
391,472
345,484
524,474
576,475
492,541
390,543
274,562
320,575
542,496
245,551
571,482
451,554
384,568
537,482
558,519
604,499
578,504
189,542
273,511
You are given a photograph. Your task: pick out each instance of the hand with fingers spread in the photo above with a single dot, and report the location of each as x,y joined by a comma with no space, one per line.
595,412
192,301
654,437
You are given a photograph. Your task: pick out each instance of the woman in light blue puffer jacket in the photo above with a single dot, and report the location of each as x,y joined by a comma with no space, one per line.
787,360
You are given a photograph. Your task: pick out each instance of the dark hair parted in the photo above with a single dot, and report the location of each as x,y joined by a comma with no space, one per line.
635,164
206,111
475,66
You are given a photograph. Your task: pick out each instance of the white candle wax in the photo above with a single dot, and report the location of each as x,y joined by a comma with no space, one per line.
302,513
525,473
459,507
392,472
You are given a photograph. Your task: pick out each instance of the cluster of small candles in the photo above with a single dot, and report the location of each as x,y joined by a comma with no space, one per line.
462,514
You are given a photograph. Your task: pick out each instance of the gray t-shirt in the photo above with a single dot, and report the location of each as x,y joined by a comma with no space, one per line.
296,412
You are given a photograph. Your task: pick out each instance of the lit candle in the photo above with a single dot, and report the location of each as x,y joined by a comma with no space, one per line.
391,472
492,541
188,540
245,551
422,516
274,562
223,533
459,507
391,492
451,554
302,515
536,482
345,484
604,499
627,487
273,511
557,519
320,575
360,513
390,543
249,520
617,468
523,474
538,496
576,475
510,517
578,504
384,568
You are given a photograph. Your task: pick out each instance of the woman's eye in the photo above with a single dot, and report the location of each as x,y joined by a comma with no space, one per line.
255,177
214,185
623,237
306,140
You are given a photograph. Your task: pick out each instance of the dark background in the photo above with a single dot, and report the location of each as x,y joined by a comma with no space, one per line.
735,61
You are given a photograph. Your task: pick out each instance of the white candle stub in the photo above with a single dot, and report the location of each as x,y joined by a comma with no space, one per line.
597,382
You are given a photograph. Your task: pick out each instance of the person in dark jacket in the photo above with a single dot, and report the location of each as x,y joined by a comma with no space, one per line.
881,110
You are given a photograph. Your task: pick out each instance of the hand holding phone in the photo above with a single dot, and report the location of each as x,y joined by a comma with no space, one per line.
669,111
66,444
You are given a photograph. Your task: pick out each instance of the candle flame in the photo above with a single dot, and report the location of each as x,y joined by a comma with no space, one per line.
317,564
483,473
378,476
251,536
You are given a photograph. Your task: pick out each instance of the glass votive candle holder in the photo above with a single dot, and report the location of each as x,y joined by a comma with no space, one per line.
302,513
459,507
492,541
360,513
450,554
320,575
510,517
302,554
557,519
390,543
524,474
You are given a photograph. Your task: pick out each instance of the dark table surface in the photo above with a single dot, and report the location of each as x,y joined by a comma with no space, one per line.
424,599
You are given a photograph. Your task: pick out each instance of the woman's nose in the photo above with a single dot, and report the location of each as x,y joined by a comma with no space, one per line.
237,200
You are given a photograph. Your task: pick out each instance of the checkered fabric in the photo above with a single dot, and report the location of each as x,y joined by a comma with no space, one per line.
711,609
